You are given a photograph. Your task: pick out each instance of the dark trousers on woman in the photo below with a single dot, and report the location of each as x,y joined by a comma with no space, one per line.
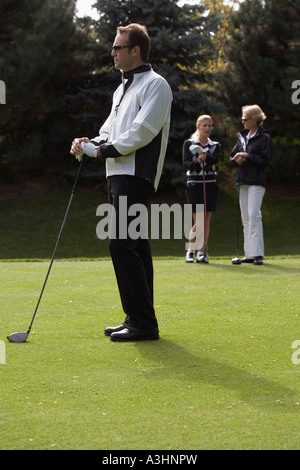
132,258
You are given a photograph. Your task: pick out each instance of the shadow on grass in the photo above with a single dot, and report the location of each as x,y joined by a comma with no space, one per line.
177,362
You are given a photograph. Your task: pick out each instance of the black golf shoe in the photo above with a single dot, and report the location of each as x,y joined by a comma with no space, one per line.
129,333
113,329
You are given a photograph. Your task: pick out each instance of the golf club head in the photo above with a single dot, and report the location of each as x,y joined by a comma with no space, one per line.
196,148
236,261
17,337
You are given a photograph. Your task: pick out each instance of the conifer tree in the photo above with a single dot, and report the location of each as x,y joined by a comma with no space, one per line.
263,51
37,40
263,57
181,47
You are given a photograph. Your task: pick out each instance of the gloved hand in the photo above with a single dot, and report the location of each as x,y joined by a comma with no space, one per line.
88,149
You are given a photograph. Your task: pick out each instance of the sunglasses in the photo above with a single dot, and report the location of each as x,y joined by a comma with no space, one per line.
118,48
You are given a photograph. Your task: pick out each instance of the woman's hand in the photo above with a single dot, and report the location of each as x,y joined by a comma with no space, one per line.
240,157
202,157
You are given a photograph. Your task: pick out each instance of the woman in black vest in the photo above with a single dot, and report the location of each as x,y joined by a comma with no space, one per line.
200,155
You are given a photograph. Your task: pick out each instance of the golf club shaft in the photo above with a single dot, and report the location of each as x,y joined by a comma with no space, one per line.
205,212
58,239
238,222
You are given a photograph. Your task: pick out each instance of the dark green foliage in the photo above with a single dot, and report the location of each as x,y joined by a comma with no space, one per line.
60,77
36,64
181,47
263,51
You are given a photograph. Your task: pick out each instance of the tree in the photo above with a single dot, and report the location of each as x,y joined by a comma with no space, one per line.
36,63
223,10
263,60
181,49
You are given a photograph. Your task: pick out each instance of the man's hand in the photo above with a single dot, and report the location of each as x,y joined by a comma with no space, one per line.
76,148
89,149
83,146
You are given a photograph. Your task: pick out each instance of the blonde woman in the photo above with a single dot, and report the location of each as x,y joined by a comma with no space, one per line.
252,153
200,155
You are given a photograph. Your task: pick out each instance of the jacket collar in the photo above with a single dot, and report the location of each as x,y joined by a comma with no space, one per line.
209,142
245,132
140,69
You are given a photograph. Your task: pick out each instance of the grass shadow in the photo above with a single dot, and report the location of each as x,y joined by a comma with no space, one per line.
176,361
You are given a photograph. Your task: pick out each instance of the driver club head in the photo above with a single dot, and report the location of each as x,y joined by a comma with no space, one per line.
236,261
17,337
196,148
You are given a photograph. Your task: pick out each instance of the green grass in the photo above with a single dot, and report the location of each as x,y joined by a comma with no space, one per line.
220,377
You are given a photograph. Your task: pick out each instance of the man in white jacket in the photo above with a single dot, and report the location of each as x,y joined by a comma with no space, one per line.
133,142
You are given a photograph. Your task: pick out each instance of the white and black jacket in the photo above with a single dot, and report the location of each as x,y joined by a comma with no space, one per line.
195,171
133,140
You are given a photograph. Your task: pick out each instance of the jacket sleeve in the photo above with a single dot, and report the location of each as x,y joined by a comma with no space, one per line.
234,151
106,148
149,121
104,131
237,148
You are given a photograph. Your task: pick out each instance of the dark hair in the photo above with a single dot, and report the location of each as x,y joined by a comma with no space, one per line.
138,36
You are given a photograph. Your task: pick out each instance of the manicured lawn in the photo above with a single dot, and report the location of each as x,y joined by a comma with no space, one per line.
220,377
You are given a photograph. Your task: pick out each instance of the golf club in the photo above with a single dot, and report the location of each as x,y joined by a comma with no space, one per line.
205,213
19,337
237,260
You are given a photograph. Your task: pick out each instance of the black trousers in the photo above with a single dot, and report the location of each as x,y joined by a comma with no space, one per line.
132,258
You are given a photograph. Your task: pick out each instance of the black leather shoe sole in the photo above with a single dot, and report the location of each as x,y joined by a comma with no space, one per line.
133,334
